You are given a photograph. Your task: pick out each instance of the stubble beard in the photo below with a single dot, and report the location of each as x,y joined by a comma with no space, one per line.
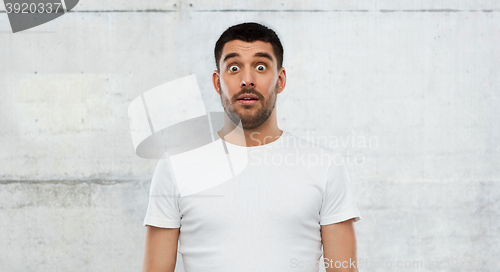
249,120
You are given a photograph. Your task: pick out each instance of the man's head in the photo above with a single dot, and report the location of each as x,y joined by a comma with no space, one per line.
249,60
249,32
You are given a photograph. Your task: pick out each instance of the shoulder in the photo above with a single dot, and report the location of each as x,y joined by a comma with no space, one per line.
312,153
304,144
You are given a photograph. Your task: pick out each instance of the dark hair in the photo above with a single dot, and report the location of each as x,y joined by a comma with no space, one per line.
249,32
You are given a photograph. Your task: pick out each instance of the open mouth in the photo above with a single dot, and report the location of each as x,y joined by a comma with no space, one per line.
247,101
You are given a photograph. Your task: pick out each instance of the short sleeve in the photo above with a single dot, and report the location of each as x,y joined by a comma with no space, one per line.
163,207
338,200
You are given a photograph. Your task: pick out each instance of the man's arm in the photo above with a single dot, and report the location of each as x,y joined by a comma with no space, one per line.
339,244
160,252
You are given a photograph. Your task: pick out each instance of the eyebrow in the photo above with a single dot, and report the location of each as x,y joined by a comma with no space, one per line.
258,54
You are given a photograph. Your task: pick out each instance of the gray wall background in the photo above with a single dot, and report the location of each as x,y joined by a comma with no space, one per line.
407,89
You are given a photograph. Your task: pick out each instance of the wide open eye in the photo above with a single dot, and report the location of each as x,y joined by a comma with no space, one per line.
261,67
233,68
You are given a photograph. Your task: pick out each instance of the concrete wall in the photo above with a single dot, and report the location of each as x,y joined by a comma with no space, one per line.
409,90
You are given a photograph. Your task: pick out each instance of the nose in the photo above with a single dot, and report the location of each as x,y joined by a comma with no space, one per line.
247,80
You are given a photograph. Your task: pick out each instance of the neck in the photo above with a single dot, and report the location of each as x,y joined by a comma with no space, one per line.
266,133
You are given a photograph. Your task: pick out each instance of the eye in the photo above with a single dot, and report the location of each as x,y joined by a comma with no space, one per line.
261,67
233,68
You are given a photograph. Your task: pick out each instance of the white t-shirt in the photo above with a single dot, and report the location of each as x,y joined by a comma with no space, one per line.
266,218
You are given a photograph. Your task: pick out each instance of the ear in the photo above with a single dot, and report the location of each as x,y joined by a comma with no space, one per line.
281,79
215,81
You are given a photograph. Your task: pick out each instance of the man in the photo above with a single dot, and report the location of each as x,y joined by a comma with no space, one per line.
276,214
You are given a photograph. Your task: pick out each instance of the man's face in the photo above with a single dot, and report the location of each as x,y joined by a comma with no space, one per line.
248,69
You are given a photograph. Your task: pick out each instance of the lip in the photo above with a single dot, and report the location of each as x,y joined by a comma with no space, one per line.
247,102
248,96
